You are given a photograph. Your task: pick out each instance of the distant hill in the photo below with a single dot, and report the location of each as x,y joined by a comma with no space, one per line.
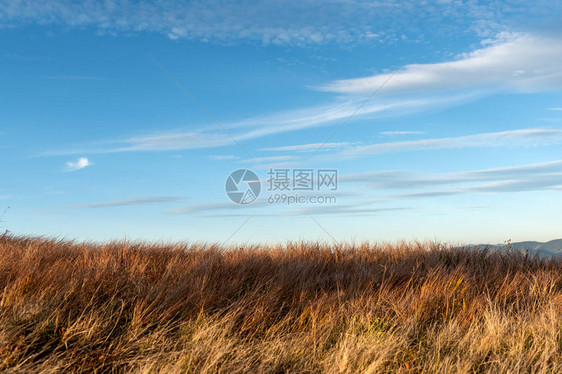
551,248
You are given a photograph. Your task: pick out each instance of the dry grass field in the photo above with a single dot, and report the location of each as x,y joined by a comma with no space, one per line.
296,308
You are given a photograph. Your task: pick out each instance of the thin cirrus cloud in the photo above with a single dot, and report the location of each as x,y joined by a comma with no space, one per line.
512,62
308,147
417,185
523,137
356,208
223,157
227,205
277,209
538,183
397,133
532,177
258,127
282,122
127,202
269,159
79,164
325,147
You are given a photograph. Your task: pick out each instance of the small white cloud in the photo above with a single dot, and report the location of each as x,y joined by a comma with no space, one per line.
81,163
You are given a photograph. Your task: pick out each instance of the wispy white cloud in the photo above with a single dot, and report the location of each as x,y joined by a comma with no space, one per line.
258,127
223,157
262,208
532,177
555,109
209,207
269,159
517,62
127,202
416,184
394,133
355,208
308,147
513,62
514,138
81,163
279,22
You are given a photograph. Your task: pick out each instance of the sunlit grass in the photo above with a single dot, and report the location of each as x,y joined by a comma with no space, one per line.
301,307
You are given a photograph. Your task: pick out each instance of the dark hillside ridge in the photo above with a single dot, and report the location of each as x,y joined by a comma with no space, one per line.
551,248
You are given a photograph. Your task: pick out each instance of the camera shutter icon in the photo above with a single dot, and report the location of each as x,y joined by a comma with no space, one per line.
243,186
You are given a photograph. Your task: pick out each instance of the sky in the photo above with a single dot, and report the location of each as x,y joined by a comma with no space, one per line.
436,120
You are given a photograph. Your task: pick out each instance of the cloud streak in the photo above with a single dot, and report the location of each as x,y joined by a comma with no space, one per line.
511,62
269,159
417,185
514,63
259,127
512,138
533,177
128,202
308,147
351,208
397,133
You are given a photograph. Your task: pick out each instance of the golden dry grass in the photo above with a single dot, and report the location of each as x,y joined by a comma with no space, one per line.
303,307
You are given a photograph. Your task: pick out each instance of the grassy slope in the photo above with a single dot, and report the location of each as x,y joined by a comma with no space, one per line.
298,308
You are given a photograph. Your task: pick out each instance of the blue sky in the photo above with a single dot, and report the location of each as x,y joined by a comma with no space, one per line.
124,119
